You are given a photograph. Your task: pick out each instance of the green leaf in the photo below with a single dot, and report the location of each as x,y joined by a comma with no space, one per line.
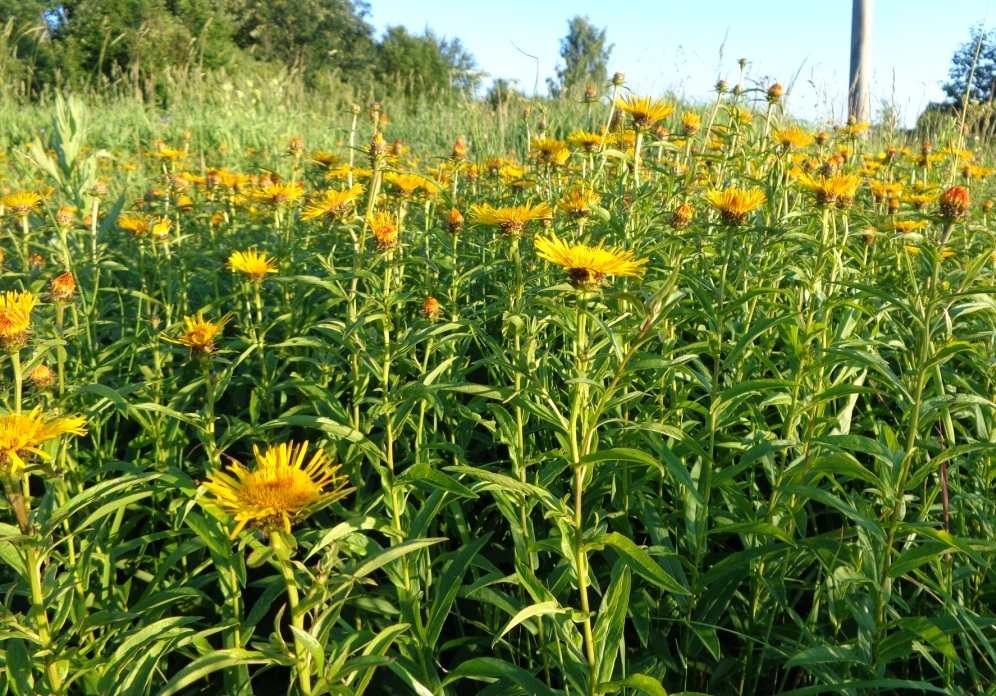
313,647
424,473
487,668
210,663
640,682
389,554
450,583
542,609
611,621
18,668
638,559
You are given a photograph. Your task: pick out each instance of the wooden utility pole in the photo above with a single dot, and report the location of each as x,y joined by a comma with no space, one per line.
858,97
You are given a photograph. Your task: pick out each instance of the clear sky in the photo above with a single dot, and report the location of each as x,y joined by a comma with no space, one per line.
684,46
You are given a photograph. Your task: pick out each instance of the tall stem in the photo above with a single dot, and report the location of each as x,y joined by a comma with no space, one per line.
281,551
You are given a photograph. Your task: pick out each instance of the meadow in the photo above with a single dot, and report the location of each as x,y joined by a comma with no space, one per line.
617,395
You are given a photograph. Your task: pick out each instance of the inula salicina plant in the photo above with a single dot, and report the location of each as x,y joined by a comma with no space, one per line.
621,397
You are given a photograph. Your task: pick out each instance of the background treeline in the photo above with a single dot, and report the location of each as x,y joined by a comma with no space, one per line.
145,45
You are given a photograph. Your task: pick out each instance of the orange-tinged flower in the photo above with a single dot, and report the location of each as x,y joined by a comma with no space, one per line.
691,122
454,221
735,203
15,318
511,220
681,216
62,288
384,228
41,377
954,202
333,204
644,111
23,434
431,309
280,490
587,266
255,264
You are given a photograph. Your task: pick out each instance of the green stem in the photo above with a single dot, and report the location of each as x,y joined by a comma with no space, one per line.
282,553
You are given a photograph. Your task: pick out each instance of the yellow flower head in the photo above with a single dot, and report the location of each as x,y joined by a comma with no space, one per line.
907,226
280,490
255,264
22,203
578,202
22,435
837,190
15,318
585,140
333,204
384,228
199,334
280,194
691,122
550,151
644,111
734,203
586,265
511,220
793,138
325,159
882,190
134,224
161,227
408,184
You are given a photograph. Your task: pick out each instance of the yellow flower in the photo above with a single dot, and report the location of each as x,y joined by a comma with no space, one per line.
15,318
22,203
325,159
883,190
586,265
161,227
550,151
692,122
793,138
254,264
511,220
280,193
199,334
333,204
585,140
135,225
907,226
384,228
853,130
21,435
578,202
280,490
644,111
837,190
407,184
734,203
169,153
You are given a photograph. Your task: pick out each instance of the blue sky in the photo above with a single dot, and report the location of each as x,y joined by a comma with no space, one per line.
683,46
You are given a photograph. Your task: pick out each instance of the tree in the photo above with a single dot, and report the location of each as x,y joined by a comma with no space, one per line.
423,65
586,58
983,87
309,35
